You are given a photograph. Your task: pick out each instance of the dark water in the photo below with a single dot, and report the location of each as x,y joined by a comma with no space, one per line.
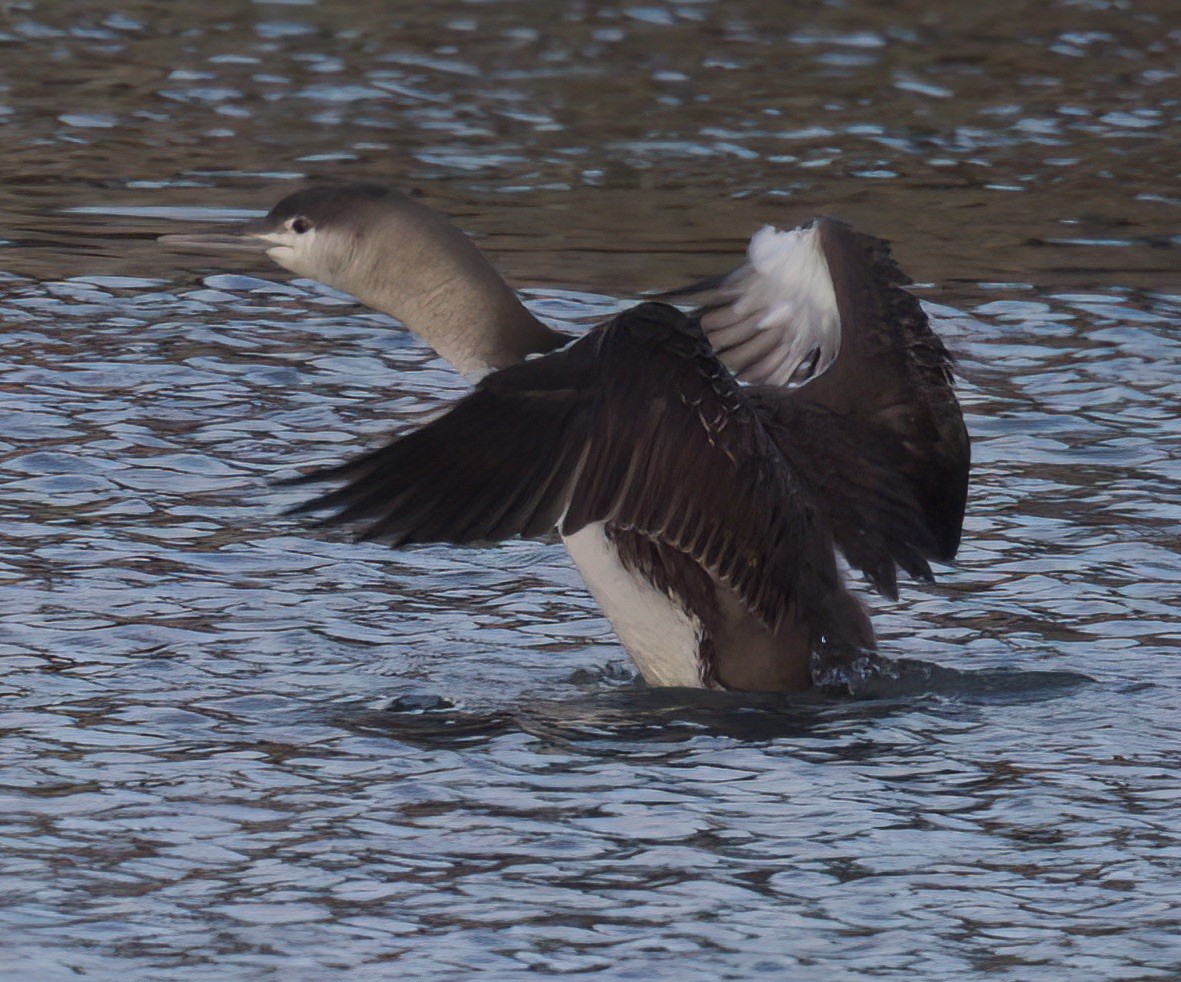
235,748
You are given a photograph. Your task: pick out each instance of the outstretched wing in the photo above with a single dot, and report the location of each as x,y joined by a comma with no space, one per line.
636,424
871,423
774,319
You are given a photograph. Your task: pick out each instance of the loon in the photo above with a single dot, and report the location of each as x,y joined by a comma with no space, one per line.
703,469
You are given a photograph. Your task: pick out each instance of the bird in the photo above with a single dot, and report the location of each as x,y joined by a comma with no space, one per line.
717,459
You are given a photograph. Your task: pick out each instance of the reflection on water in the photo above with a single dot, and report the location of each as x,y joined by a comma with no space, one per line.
235,747
1033,146
635,719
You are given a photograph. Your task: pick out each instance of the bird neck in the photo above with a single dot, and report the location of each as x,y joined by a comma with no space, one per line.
439,285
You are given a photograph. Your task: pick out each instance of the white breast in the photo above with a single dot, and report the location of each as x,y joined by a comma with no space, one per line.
660,637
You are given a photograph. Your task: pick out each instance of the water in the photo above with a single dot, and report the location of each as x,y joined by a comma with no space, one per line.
234,747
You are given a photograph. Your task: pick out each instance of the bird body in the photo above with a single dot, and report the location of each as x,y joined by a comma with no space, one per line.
703,469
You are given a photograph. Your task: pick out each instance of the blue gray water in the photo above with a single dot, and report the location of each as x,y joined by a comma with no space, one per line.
234,746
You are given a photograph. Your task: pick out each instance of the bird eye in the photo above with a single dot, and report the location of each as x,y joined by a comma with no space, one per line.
300,225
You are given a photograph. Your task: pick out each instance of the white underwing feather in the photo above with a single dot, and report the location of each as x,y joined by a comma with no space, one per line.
774,320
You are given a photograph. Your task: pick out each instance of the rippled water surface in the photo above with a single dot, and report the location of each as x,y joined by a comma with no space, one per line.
236,747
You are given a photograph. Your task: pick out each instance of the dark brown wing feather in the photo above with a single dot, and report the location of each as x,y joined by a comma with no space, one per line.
877,439
893,381
636,424
859,485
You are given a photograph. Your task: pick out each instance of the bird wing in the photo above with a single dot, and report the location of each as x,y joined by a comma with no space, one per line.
636,424
856,388
774,319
